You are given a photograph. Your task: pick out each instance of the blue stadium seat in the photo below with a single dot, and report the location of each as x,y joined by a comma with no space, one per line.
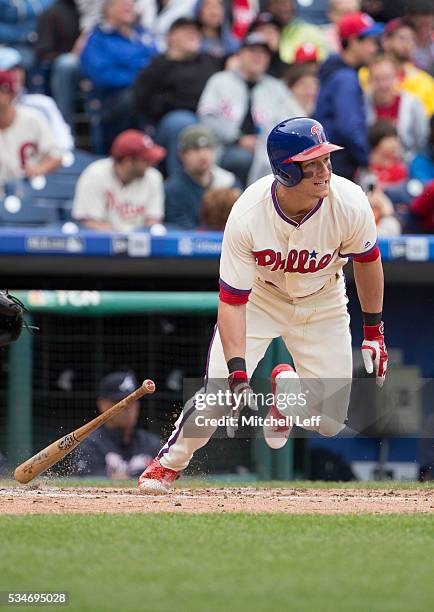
16,211
75,162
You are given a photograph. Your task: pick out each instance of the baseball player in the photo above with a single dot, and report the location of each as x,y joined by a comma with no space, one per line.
286,241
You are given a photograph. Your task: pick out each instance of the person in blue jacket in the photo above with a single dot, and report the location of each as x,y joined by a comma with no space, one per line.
340,103
115,52
117,48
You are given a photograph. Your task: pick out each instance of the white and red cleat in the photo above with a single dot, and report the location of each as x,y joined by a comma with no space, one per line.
277,435
156,479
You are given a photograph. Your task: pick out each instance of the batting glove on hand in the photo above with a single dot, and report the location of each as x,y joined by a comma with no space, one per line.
374,351
242,397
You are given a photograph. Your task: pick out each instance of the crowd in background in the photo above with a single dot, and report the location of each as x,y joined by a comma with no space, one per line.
180,95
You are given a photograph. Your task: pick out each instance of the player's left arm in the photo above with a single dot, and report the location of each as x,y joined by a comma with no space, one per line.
369,280
361,245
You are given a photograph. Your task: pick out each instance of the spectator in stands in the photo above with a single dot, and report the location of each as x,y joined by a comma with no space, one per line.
313,11
119,449
422,166
18,25
399,41
168,90
10,59
420,15
27,145
303,84
113,55
216,37
384,213
336,10
402,109
340,105
385,159
58,31
159,15
270,29
384,10
236,105
295,31
122,193
185,189
216,205
422,207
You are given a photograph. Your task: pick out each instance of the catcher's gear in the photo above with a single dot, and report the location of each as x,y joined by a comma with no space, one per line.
242,397
11,318
374,351
293,141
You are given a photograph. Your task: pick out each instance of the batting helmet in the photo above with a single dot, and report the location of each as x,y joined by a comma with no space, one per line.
293,141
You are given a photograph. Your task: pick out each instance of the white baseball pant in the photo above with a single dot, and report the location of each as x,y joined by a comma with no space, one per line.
316,332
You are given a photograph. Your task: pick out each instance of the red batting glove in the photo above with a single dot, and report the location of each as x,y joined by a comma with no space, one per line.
242,397
374,351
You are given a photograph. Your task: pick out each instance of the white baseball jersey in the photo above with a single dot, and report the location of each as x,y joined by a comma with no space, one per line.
102,196
27,141
297,258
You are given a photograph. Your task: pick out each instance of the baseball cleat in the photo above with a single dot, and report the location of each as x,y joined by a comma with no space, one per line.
156,479
276,435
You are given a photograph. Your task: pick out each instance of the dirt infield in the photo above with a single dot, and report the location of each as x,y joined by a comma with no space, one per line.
40,499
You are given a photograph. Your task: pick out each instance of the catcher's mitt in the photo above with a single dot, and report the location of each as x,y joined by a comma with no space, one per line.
11,318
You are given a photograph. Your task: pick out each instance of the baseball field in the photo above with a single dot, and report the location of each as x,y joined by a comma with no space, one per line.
294,546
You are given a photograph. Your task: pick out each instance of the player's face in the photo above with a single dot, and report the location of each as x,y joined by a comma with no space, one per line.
317,184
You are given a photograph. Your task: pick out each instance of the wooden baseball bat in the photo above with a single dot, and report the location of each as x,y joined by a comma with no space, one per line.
63,446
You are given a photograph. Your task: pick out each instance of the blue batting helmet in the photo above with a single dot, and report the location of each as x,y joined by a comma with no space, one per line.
293,141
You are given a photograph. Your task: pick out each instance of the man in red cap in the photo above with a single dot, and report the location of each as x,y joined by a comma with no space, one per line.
27,145
122,192
340,105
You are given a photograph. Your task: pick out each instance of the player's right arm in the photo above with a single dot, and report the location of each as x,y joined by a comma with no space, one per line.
237,273
231,322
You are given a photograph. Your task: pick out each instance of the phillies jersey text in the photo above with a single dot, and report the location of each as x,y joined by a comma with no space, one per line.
297,258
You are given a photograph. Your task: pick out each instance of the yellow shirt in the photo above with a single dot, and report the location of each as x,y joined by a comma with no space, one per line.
416,81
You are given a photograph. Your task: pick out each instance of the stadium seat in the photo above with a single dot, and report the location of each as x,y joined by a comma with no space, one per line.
16,211
74,162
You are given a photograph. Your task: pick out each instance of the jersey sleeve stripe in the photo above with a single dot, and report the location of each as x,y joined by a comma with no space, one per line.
371,255
233,290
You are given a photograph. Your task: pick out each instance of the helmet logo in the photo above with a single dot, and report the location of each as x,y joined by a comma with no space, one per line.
316,130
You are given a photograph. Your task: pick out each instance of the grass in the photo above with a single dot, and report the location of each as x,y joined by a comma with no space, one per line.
197,563
203,483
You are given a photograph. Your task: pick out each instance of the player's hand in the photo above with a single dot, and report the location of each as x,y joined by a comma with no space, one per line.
374,351
242,397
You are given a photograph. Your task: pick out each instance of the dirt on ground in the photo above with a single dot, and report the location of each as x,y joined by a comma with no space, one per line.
42,499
